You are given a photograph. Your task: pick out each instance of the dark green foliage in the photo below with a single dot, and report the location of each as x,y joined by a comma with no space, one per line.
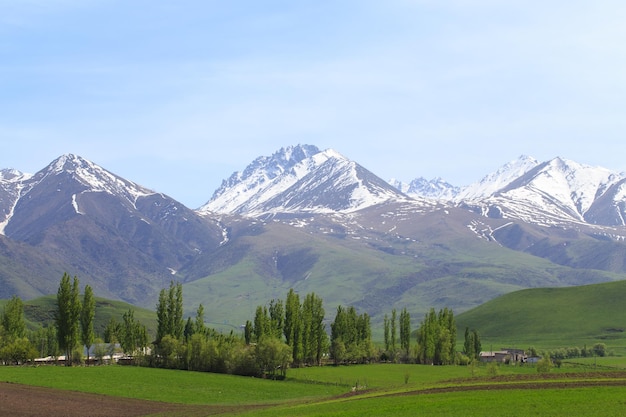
471,344
170,313
13,322
112,331
293,325
350,339
405,330
68,314
393,331
247,331
436,338
87,315
134,336
262,325
273,357
387,336
315,339
277,318
17,351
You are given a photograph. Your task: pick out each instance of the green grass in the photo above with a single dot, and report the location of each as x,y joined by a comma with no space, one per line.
552,317
327,390
603,401
183,387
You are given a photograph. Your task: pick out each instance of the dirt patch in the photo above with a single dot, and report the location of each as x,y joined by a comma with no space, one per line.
23,400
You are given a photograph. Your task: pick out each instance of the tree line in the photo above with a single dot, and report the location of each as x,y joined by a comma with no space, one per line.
282,334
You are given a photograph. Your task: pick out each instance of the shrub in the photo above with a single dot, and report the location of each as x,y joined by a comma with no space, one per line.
544,365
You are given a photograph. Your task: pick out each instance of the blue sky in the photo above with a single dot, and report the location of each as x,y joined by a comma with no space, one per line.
178,96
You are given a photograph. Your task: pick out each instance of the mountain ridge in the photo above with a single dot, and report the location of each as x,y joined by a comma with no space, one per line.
312,220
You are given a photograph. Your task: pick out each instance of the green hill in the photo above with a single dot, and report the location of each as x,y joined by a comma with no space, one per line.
40,312
552,317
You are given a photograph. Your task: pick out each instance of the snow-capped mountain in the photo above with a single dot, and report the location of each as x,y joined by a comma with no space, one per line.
343,227
496,181
554,192
300,179
11,184
437,188
107,226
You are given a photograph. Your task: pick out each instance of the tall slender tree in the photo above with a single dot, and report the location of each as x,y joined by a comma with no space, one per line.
170,313
393,330
13,318
293,325
67,317
405,330
386,329
87,315
314,339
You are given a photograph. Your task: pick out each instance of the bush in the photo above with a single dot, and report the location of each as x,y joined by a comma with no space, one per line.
544,365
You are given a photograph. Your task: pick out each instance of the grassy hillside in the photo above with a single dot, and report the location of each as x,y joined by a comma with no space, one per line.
448,266
40,312
552,317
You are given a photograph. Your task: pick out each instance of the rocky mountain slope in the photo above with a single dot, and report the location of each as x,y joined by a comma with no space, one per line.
316,221
123,239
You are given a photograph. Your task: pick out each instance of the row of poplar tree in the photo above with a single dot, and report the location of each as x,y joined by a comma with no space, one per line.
283,333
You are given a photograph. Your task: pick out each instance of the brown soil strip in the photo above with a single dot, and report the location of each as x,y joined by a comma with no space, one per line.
23,400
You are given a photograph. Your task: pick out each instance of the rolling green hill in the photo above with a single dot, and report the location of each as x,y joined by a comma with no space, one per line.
40,312
552,317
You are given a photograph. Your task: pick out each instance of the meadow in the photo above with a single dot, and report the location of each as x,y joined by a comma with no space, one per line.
364,390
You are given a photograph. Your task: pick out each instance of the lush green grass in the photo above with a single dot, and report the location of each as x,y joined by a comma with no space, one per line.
614,362
327,390
171,386
601,401
552,317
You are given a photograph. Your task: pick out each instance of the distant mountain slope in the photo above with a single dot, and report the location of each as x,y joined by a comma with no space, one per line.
436,188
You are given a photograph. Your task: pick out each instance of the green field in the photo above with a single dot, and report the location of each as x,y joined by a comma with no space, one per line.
385,389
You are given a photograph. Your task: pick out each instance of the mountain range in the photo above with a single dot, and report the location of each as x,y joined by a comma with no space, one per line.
315,221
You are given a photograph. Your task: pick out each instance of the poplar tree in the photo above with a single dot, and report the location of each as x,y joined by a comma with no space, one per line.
436,338
314,339
293,325
405,330
87,315
393,330
170,313
67,317
13,318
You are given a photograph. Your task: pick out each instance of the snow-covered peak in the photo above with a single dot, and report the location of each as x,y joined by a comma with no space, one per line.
573,184
499,179
299,179
93,177
12,175
437,189
264,178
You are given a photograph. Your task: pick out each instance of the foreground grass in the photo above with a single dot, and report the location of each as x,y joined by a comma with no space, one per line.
385,389
599,401
183,387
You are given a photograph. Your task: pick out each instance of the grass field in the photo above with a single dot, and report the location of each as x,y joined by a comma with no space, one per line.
385,389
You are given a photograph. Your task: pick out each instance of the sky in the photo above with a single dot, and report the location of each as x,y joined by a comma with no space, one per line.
176,96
